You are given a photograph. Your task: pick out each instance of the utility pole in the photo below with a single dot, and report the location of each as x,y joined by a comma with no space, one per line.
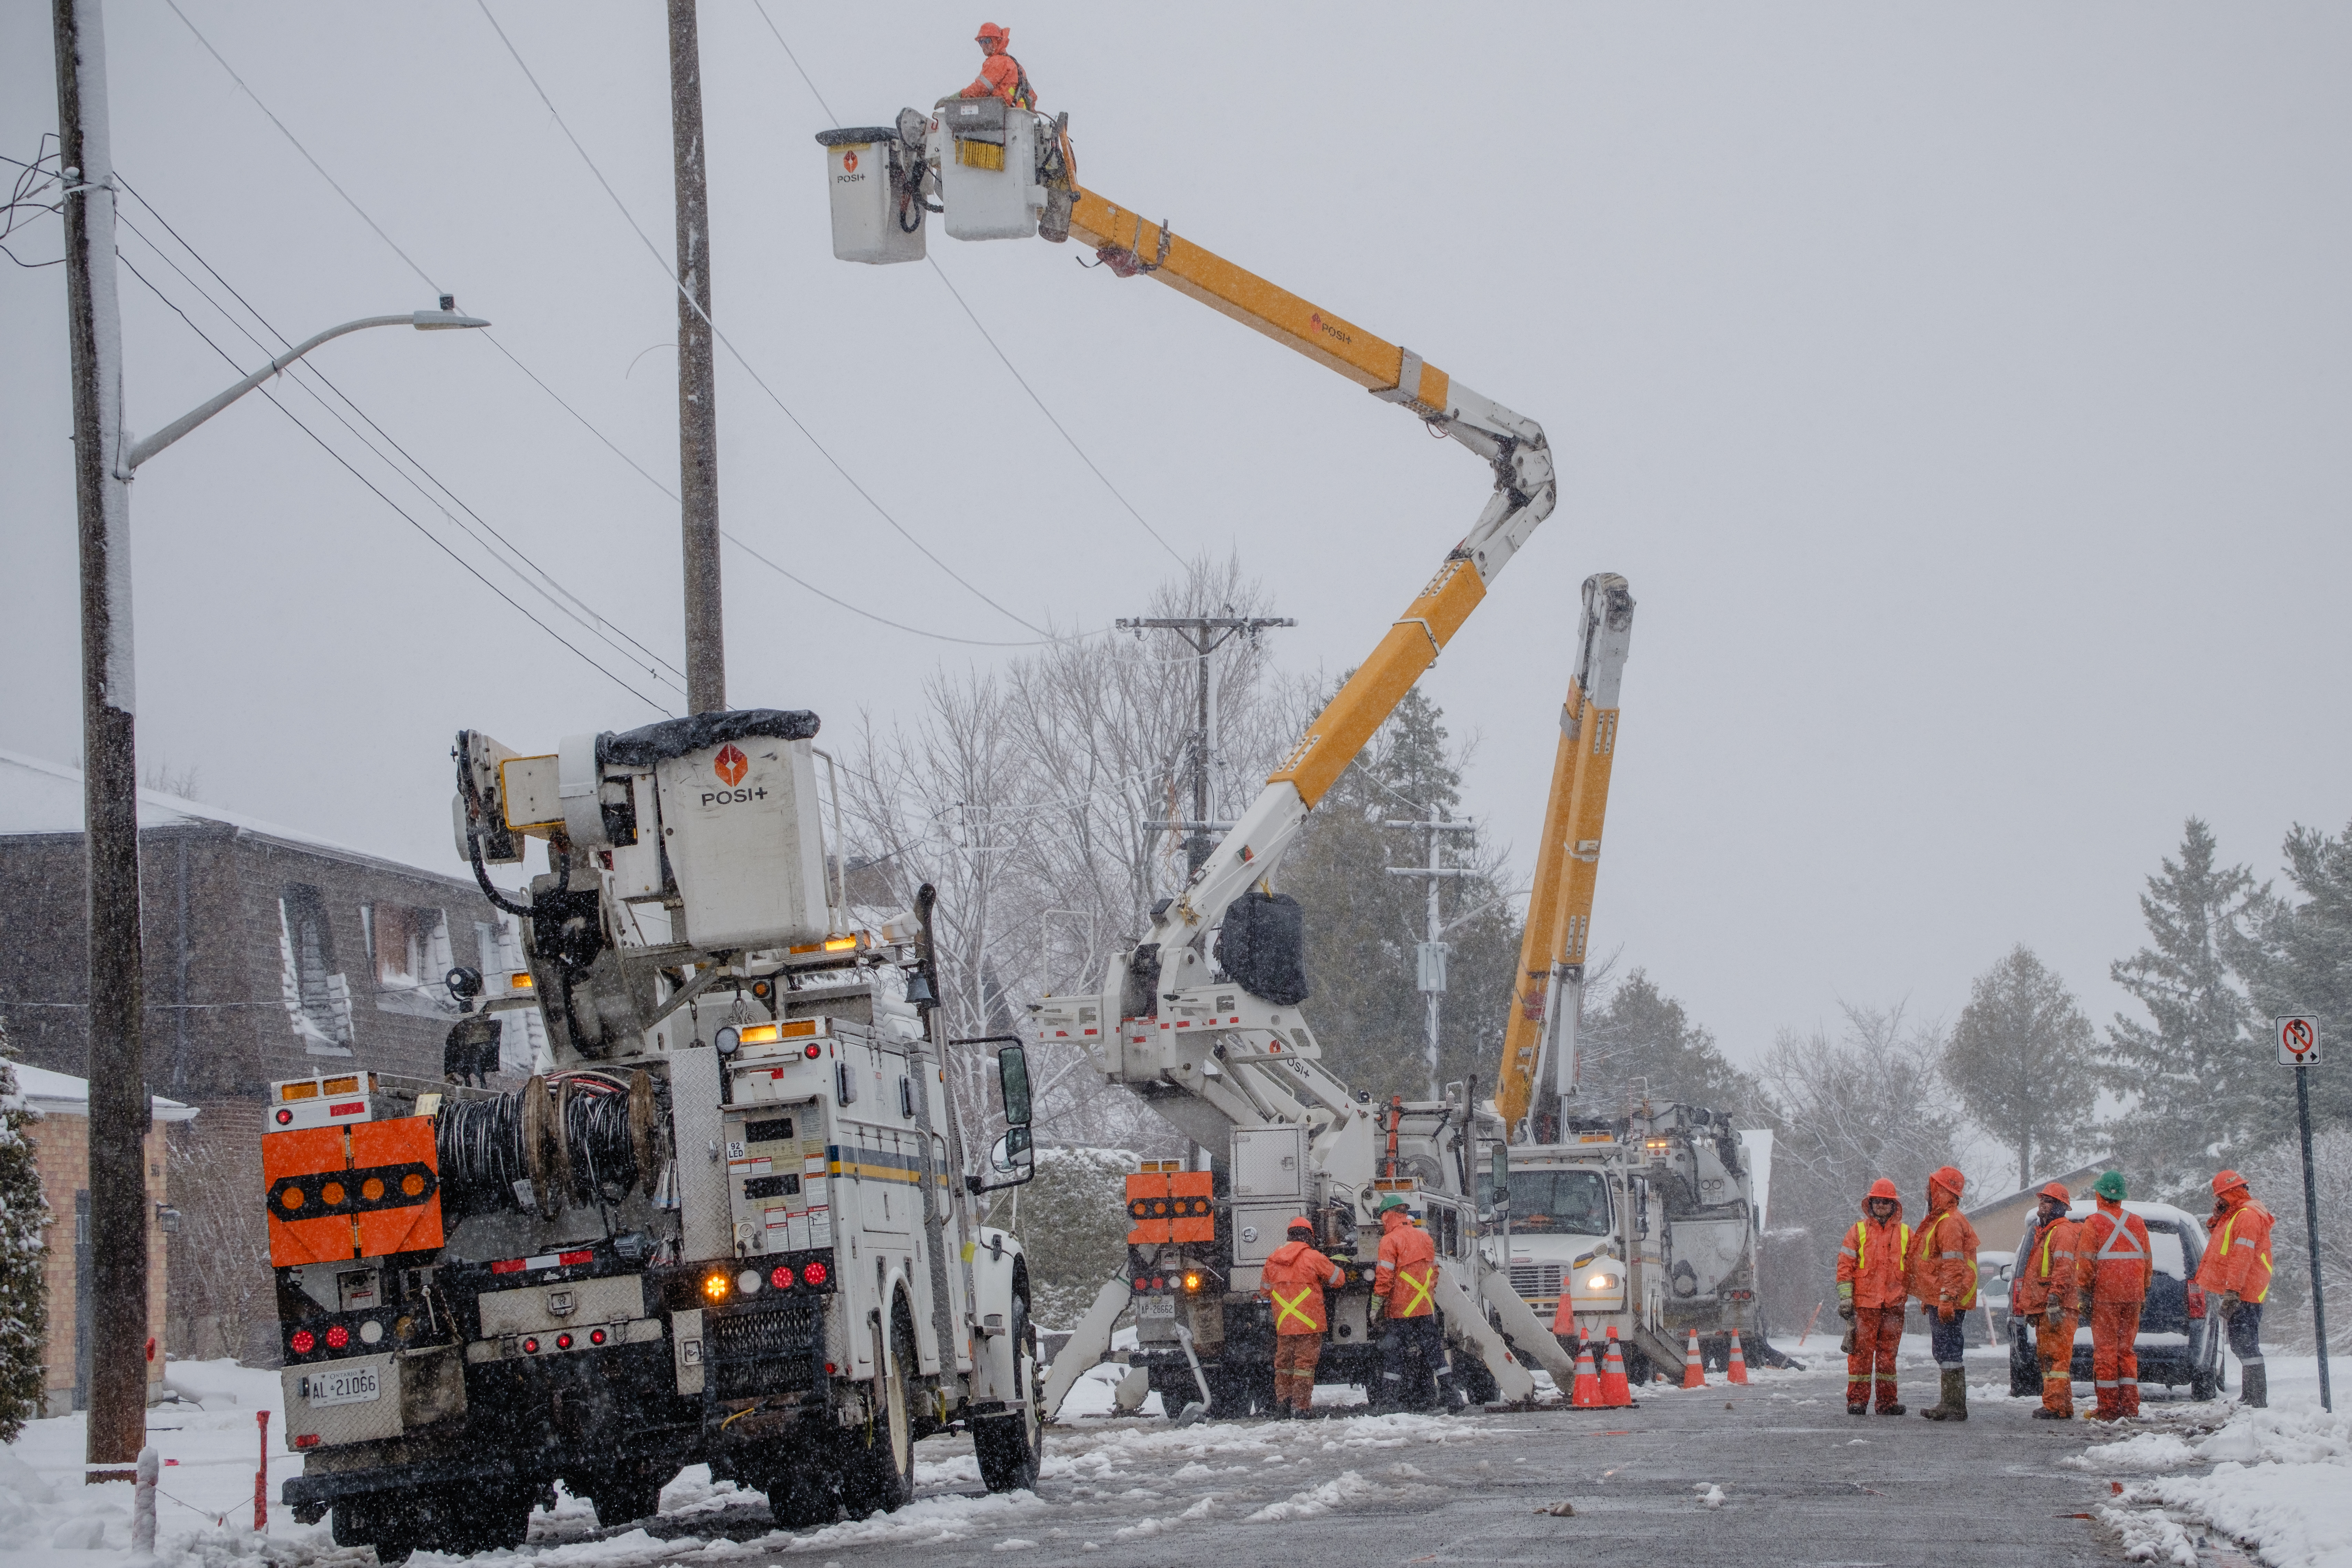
1204,635
697,401
1433,949
117,1061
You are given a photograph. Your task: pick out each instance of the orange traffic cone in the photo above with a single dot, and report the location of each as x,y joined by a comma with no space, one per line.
1738,1372
1587,1392
1615,1393
1694,1369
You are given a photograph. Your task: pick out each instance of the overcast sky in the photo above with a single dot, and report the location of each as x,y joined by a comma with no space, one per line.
1963,390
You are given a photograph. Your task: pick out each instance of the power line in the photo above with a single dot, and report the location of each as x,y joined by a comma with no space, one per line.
538,382
437,542
940,273
563,598
758,379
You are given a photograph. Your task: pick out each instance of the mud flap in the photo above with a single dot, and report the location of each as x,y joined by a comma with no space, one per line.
1086,1345
1468,1320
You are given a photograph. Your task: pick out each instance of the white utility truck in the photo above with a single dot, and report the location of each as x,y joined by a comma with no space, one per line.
728,1222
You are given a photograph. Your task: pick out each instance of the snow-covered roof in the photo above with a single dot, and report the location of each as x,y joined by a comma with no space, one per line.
62,1094
38,795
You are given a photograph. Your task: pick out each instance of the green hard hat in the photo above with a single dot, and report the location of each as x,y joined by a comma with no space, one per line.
2110,1185
1388,1202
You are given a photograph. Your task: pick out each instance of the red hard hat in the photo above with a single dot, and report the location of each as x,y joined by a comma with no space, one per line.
2226,1182
2058,1190
990,33
1885,1188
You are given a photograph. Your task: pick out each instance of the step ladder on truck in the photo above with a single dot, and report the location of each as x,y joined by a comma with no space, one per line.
1200,1018
727,1221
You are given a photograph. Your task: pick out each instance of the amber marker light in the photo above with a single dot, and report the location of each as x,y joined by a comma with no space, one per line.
714,1286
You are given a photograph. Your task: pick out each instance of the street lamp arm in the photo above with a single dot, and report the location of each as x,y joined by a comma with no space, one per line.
424,320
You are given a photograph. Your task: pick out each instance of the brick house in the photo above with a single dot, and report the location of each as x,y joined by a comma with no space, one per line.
61,1141
270,954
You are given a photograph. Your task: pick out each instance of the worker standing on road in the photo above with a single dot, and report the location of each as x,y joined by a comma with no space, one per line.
1001,75
1943,1278
1294,1278
2114,1262
2041,1292
1403,1285
1874,1282
2235,1274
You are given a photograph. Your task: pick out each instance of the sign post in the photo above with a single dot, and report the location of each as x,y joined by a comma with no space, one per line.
2298,1047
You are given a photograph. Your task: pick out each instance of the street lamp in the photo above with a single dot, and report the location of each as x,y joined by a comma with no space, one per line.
442,319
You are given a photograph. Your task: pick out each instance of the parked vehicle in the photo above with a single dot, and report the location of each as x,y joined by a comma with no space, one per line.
2172,1325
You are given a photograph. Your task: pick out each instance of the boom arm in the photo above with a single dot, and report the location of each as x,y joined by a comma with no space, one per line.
1514,448
1540,1027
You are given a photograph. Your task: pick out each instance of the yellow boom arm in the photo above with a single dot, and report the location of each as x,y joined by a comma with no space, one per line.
1512,446
1540,1027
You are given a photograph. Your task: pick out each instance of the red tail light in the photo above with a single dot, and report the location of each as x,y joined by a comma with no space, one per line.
595,1336
530,1347
780,1276
2196,1299
813,1273
304,1342
306,1441
338,1337
564,1342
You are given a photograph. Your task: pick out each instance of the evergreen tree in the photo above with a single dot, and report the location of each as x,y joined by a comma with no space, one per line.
2020,1058
1363,926
2195,1065
2296,958
24,1246
1641,1042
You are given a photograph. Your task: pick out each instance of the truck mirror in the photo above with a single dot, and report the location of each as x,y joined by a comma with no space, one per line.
1014,1157
1013,1081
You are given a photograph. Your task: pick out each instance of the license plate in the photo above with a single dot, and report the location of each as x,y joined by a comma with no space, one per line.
357,1385
1156,1307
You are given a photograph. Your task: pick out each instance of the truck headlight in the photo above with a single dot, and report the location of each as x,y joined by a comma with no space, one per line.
1601,1282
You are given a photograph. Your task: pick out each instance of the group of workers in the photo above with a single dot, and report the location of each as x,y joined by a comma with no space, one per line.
2069,1271
1294,1278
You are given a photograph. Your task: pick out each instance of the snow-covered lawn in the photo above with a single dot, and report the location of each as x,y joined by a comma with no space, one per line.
2278,1481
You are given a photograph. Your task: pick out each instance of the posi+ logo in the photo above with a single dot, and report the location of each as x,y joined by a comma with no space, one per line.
730,766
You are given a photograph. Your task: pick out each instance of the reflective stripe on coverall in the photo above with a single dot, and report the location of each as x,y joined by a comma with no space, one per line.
2114,1263
1408,1270
2238,1259
2044,1290
1293,1278
1873,1279
1944,1261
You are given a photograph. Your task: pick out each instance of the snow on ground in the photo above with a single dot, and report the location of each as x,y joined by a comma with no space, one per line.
2279,1481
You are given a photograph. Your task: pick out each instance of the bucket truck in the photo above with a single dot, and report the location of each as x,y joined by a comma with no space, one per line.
1647,1219
1200,1018
727,1221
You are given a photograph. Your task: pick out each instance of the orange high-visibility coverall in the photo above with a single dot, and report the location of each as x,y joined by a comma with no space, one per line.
2239,1257
2043,1290
1408,1268
1294,1277
1873,1278
2115,1263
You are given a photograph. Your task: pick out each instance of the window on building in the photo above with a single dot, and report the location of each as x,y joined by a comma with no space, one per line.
318,997
409,948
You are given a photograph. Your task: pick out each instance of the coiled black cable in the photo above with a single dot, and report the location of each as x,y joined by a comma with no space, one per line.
597,1134
479,1144
485,1158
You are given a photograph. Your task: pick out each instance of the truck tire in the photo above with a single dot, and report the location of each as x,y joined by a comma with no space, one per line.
878,1475
1010,1447
622,1496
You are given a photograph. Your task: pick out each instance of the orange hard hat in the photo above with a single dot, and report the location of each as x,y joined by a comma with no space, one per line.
1885,1188
990,33
1300,1224
1947,1177
2057,1190
2227,1182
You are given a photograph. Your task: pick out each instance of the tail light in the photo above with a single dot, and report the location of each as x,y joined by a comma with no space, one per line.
2196,1299
304,1342
780,1276
337,1336
814,1274
530,1347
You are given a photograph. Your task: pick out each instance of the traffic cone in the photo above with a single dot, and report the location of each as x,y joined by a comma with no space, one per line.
1694,1369
1738,1372
1615,1393
1586,1394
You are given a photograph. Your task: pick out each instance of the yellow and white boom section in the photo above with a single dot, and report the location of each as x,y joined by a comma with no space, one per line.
1540,1030
998,172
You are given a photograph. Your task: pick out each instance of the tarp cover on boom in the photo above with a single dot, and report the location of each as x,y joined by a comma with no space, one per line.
697,732
1264,948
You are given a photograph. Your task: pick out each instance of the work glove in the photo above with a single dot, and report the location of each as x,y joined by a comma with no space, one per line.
1845,1311
1948,1314
2230,1300
2083,1304
1846,1345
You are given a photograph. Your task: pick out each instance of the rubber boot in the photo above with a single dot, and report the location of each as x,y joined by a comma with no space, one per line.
1450,1399
1955,1406
1857,1410
2254,1387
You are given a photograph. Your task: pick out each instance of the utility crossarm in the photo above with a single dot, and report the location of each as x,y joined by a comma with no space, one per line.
1513,447
1539,1029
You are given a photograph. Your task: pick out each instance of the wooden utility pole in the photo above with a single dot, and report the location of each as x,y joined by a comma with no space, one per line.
117,1061
1204,635
697,401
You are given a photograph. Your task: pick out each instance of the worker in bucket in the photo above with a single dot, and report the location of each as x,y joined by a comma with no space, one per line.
1874,1282
2114,1263
2042,1293
2235,1275
1001,75
1943,1278
1403,1285
1294,1279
